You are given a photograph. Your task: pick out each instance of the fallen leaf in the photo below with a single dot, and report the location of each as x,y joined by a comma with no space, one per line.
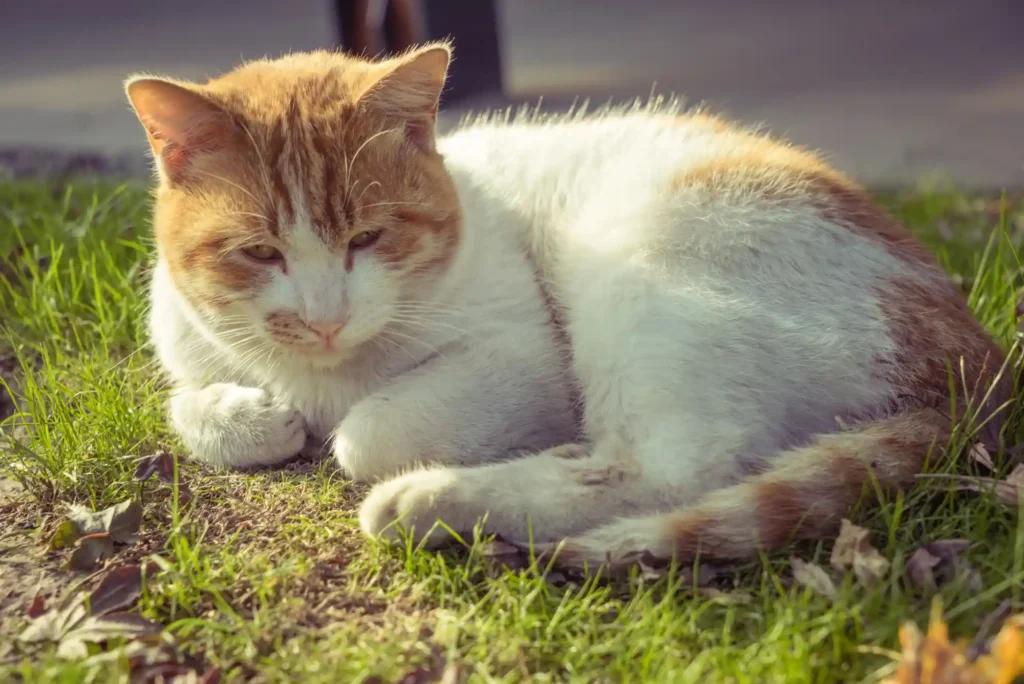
940,562
979,454
65,536
211,677
90,550
948,549
813,577
853,549
97,630
53,624
125,521
931,658
121,521
160,464
100,628
117,590
38,606
920,566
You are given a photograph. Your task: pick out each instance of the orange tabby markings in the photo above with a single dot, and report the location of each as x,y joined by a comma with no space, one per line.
317,137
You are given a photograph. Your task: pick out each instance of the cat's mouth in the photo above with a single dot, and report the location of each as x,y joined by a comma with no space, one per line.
319,353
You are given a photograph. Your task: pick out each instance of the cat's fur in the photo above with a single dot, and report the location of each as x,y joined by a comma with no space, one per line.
640,330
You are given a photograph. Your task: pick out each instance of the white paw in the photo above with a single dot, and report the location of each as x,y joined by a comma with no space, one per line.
413,504
237,426
367,451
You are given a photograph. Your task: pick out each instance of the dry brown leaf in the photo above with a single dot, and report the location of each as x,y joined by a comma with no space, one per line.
90,550
117,590
948,549
37,607
160,464
920,566
814,577
119,523
97,630
76,623
853,549
941,562
932,658
979,454
56,622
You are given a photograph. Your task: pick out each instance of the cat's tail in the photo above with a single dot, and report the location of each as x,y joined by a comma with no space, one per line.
804,495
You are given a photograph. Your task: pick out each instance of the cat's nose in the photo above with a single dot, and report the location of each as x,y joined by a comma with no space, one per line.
327,329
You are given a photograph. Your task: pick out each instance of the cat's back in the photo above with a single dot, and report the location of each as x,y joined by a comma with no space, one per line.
694,224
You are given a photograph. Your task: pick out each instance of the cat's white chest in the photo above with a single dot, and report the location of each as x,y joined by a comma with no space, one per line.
323,397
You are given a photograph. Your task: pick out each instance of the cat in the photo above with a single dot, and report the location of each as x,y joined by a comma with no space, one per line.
642,330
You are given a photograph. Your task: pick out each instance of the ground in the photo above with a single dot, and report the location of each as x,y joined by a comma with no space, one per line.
264,575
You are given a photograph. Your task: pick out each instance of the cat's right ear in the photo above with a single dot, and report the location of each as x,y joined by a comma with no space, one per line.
181,125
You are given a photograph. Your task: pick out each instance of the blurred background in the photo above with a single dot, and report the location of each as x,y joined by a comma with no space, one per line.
891,91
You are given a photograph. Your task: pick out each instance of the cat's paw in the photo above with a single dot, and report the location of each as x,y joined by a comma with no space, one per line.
229,425
412,504
367,450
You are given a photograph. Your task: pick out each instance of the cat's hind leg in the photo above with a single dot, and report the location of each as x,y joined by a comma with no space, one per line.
548,496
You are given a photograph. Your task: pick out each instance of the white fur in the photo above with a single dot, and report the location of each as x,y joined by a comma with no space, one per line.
706,336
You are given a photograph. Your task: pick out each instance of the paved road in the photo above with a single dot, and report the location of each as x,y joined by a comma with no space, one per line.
890,90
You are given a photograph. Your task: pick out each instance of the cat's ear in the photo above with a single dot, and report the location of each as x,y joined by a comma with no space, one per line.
181,125
410,89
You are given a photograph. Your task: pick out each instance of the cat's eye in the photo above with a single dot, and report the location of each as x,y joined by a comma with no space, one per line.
263,253
364,239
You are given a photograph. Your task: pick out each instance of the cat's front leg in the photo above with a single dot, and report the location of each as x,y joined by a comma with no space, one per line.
230,425
456,410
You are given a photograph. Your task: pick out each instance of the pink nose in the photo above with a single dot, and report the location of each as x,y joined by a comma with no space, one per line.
327,329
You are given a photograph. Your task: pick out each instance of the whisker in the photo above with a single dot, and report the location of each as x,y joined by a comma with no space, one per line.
368,186
231,183
351,162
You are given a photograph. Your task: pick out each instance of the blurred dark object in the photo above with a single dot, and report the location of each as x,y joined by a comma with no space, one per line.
56,165
372,27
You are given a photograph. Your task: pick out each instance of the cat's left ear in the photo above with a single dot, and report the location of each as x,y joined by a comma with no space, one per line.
410,89
183,127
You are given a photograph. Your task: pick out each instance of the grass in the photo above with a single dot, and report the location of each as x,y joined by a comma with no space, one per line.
264,575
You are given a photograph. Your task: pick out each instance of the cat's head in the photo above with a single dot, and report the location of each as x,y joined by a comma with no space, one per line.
301,201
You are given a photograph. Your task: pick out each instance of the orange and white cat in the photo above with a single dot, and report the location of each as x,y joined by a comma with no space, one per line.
642,330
